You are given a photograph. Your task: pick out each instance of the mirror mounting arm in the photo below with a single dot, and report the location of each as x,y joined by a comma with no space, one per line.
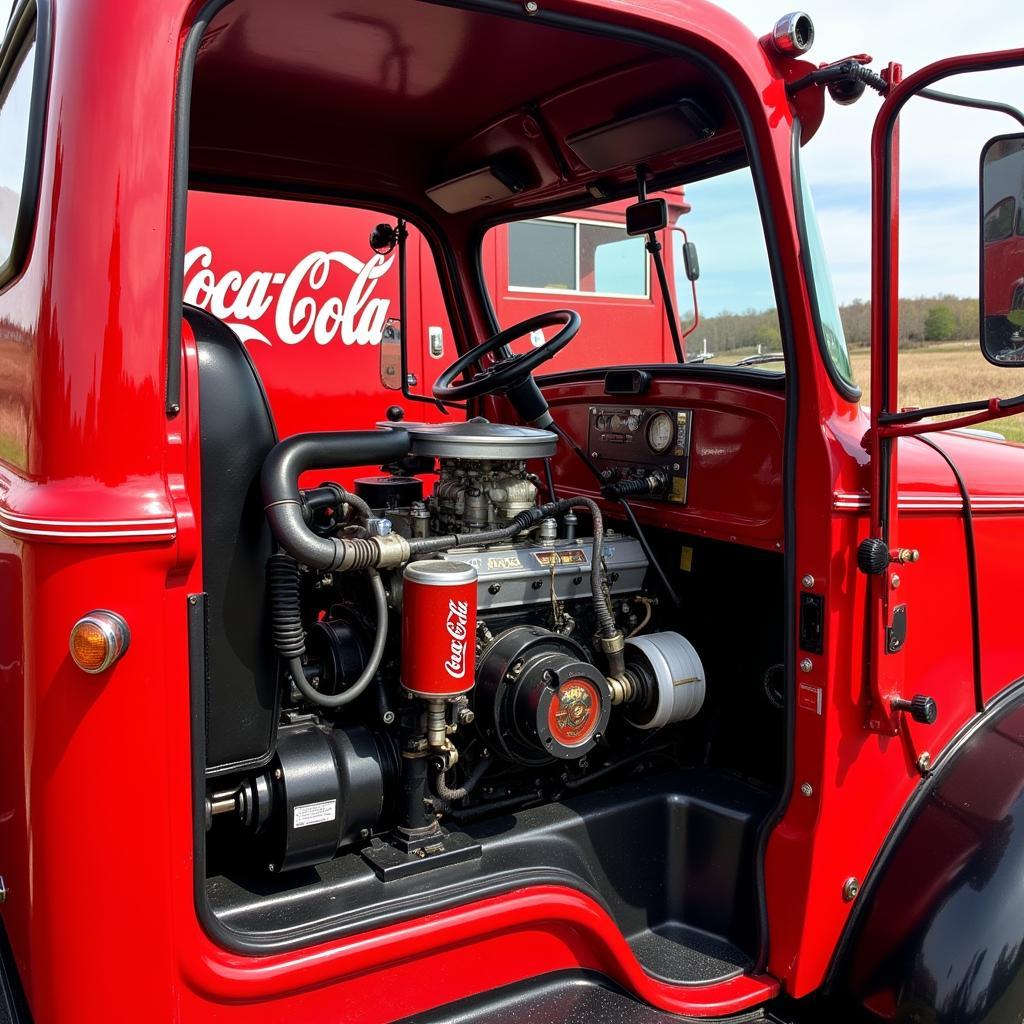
910,423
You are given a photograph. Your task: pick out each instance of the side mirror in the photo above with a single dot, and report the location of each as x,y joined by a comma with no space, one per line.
646,216
1002,250
691,265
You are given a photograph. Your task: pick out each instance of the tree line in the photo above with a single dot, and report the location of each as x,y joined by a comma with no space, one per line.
926,319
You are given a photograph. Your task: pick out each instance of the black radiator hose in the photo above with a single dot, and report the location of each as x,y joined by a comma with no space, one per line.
285,606
283,505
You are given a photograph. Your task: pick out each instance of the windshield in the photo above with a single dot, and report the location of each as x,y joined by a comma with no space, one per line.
584,260
828,322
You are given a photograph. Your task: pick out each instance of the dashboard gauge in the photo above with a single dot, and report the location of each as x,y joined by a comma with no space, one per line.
661,432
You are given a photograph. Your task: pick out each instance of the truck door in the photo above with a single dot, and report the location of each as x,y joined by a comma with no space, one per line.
895,541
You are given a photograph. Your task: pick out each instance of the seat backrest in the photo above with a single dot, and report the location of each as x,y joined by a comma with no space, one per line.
237,432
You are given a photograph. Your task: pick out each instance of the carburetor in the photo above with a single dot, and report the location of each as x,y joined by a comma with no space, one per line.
473,495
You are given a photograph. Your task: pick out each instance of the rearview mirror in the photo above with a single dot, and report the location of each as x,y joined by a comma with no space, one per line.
646,216
1002,250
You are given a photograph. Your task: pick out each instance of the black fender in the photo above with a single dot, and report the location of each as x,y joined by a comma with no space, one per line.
938,932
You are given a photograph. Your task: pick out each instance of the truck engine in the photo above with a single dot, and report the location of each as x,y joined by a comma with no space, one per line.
444,656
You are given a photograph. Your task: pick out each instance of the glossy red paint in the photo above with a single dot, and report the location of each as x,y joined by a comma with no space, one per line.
99,506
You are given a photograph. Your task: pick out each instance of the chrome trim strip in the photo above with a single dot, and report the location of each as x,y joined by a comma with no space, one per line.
853,501
16,517
168,533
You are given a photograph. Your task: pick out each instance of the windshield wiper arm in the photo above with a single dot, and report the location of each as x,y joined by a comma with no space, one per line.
767,357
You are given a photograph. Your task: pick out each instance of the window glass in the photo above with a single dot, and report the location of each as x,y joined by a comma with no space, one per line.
611,263
542,254
584,260
999,220
738,320
833,337
15,104
561,255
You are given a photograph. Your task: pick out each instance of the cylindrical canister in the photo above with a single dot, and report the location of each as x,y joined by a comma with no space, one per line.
438,628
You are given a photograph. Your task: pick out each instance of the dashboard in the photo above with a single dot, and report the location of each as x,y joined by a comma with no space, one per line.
719,441
632,440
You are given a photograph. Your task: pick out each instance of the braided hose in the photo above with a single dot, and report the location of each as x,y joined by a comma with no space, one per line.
290,638
450,794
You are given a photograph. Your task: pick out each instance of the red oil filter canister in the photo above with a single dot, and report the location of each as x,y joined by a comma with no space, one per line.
438,628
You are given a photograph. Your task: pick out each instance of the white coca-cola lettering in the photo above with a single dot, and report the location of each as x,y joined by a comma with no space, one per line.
458,617
240,302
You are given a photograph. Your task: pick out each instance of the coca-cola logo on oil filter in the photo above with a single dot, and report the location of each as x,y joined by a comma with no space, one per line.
456,625
325,297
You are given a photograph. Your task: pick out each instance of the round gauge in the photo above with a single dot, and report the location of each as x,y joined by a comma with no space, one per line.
661,432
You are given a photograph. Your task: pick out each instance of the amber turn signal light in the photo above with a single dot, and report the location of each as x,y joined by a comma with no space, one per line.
98,639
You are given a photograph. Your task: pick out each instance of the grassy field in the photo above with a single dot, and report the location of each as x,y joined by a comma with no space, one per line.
937,374
953,371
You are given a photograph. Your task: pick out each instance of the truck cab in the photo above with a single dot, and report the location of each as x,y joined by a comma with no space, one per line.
558,675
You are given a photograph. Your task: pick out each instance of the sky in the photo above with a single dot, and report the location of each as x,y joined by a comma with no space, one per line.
940,144
939,154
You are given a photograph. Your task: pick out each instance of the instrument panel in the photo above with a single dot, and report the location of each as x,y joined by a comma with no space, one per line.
630,441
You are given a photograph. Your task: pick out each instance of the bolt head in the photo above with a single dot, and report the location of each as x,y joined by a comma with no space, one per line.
851,889
388,717
531,6
924,763
807,582
895,581
806,665
807,789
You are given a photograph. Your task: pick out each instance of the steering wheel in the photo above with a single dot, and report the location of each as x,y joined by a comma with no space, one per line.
508,372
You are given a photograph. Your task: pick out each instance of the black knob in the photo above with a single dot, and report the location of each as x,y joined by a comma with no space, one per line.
920,707
873,556
395,413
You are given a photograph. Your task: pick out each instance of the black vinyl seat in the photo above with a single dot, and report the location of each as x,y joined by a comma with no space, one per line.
237,431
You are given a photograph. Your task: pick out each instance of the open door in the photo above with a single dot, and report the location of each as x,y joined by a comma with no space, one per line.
889,550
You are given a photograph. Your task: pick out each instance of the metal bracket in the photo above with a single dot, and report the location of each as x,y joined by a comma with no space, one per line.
896,634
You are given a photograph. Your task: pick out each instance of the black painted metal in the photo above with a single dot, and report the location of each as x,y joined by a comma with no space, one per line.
237,433
13,1006
941,938
576,997
686,903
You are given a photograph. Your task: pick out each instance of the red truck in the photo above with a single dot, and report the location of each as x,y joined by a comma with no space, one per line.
646,691
275,271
